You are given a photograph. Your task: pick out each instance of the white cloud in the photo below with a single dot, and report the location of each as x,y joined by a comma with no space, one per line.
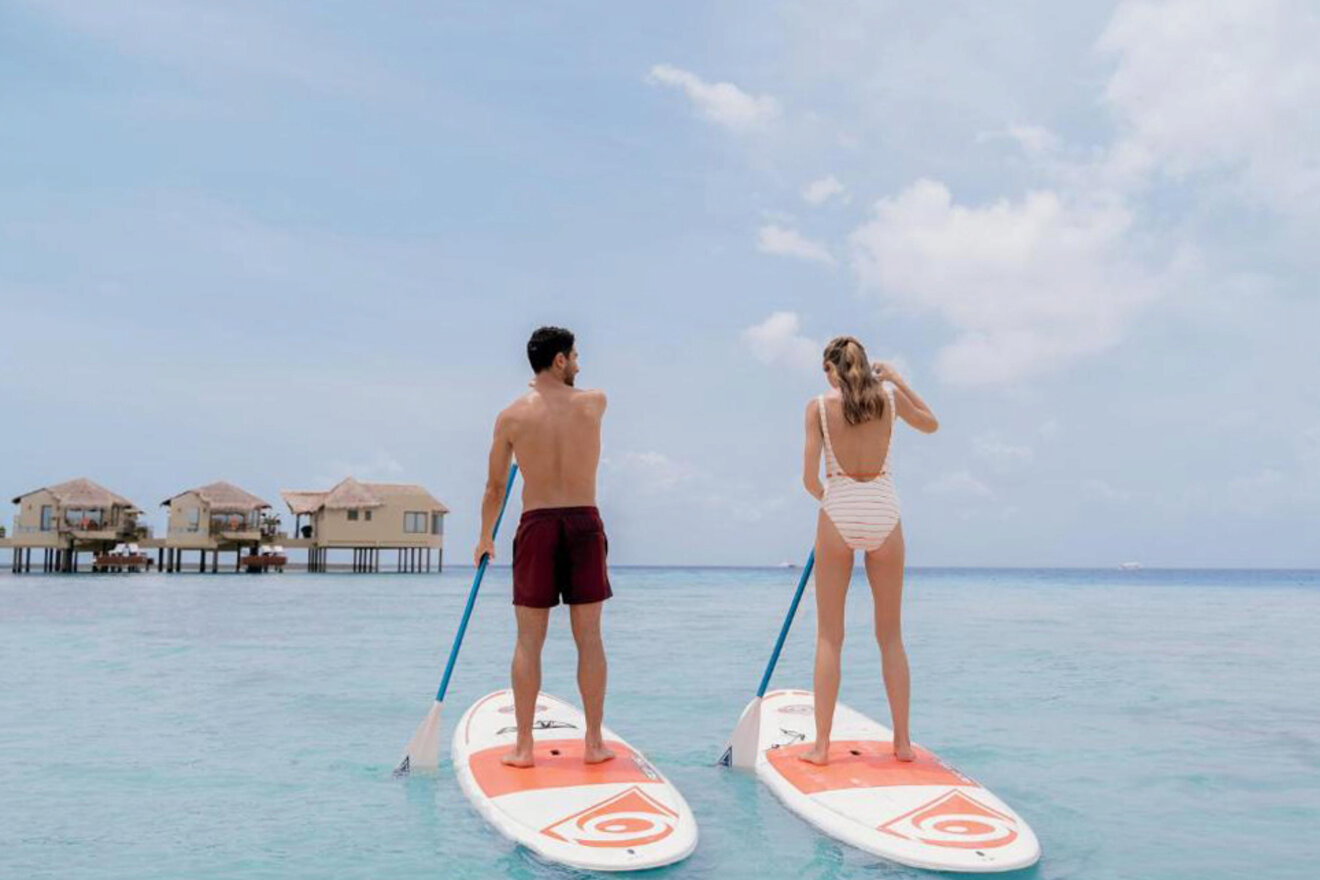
1027,285
722,103
1035,140
775,239
959,484
1220,87
649,472
777,340
818,192
1002,457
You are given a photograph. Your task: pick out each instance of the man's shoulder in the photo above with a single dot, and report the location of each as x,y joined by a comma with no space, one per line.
591,397
586,395
518,407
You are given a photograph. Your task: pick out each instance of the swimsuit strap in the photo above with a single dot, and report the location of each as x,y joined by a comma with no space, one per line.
831,463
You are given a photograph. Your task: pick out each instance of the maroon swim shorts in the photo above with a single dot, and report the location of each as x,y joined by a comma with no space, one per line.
560,551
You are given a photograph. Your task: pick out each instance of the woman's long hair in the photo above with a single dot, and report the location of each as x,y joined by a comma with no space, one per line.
863,399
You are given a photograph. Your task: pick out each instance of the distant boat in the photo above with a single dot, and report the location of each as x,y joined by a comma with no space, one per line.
1129,566
786,564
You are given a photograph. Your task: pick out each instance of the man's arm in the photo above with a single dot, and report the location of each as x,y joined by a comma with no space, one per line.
497,478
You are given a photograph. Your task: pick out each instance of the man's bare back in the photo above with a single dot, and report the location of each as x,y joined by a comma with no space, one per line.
554,432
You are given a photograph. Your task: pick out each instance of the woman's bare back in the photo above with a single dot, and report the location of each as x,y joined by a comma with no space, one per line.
860,449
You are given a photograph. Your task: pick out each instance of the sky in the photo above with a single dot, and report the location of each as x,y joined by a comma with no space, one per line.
280,244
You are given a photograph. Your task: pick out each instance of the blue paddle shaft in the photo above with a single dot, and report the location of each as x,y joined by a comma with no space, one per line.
472,593
788,622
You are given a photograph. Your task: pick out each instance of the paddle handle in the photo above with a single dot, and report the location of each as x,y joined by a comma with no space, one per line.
788,622
472,593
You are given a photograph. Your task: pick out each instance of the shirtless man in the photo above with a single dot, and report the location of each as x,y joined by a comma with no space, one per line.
560,547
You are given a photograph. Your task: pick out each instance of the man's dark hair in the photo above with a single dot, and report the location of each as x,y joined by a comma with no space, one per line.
545,344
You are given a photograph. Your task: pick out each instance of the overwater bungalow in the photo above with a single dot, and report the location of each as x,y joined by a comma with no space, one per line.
213,518
67,519
369,518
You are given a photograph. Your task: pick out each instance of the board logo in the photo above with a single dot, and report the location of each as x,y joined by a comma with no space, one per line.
508,710
797,709
630,818
955,819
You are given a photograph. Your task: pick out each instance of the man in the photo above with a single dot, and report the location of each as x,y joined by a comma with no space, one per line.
559,549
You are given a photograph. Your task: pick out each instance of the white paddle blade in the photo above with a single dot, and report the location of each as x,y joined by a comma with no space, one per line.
743,743
423,752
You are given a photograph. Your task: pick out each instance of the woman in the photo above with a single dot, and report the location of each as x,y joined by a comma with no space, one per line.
854,425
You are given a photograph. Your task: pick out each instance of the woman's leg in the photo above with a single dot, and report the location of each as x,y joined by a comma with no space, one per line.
884,569
834,564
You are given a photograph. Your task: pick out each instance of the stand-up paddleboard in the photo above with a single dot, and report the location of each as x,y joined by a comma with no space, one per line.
923,813
621,815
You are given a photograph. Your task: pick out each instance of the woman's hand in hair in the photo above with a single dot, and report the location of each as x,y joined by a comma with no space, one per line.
886,372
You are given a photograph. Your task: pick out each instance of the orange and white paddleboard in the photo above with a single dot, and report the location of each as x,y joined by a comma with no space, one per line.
924,813
622,815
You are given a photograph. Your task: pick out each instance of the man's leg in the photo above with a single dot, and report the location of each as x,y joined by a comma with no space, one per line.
591,676
526,676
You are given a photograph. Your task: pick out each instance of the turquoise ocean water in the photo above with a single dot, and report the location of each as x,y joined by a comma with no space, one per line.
1153,724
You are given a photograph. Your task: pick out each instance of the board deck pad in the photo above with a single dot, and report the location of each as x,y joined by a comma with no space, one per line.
620,815
924,813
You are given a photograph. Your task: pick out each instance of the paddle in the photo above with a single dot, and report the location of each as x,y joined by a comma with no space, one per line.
740,751
423,751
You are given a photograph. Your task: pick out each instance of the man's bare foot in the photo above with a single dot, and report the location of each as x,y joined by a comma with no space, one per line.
596,754
816,755
518,758
903,752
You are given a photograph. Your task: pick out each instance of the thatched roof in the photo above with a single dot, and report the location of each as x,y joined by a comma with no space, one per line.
81,492
223,496
351,493
303,502
408,490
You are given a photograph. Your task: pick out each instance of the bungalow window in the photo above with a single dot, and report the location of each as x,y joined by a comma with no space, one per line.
195,519
367,515
79,518
353,514
414,522
47,518
437,523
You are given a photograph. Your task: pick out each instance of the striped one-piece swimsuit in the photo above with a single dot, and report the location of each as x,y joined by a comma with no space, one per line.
864,511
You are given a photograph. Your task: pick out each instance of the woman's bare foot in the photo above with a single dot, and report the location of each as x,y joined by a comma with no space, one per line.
903,751
596,754
817,754
519,757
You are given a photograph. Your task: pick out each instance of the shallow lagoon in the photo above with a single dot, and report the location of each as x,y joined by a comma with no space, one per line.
1148,724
